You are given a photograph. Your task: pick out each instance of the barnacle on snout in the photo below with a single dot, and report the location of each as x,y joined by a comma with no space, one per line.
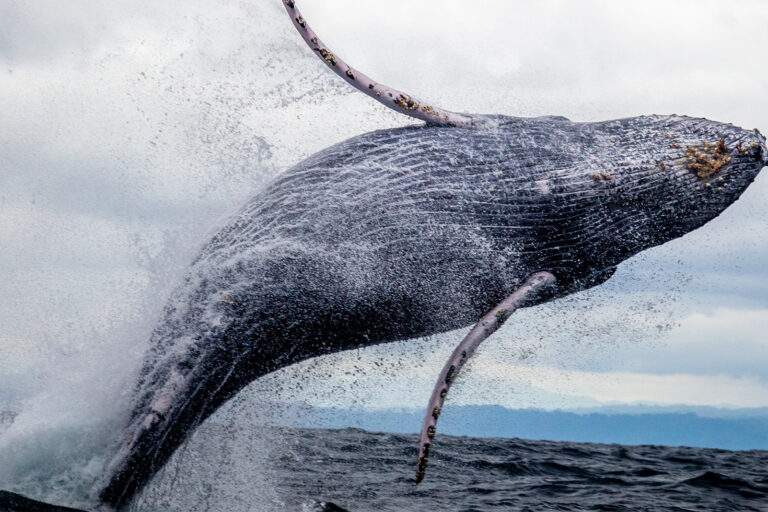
708,160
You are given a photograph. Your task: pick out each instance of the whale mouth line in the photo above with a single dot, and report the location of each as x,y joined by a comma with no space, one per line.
762,147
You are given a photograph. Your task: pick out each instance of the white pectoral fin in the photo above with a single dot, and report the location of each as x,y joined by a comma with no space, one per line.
531,287
392,98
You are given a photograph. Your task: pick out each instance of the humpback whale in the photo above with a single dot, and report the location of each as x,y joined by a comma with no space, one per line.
413,231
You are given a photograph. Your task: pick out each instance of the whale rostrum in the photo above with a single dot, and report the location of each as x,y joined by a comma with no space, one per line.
407,232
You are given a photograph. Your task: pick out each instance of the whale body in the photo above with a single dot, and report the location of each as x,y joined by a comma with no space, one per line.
407,232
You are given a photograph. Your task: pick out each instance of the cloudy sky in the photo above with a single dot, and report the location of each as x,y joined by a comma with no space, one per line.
130,130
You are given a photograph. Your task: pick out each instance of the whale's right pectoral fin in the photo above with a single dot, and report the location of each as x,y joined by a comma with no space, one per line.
536,284
392,98
12,502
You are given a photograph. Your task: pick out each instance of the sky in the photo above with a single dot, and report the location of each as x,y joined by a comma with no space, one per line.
131,130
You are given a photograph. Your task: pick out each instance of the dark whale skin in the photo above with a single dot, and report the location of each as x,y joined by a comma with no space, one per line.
407,232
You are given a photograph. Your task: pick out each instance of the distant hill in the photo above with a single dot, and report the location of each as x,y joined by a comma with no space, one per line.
734,431
699,410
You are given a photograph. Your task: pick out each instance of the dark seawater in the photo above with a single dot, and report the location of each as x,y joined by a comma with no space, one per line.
354,470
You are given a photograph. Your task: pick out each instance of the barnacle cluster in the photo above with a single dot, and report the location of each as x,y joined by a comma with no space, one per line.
428,109
327,56
709,160
406,102
451,374
423,461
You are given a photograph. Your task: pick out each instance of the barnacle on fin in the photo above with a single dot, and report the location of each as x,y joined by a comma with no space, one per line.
451,373
429,110
407,103
327,56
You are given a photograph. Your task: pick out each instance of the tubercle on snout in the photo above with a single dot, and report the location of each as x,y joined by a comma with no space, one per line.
392,98
709,156
709,159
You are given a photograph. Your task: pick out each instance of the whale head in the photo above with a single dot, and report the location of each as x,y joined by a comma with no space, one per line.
651,179
720,161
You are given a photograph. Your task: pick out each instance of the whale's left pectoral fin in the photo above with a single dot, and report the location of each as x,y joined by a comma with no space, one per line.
535,285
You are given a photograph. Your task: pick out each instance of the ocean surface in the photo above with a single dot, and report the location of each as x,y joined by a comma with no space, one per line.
358,471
